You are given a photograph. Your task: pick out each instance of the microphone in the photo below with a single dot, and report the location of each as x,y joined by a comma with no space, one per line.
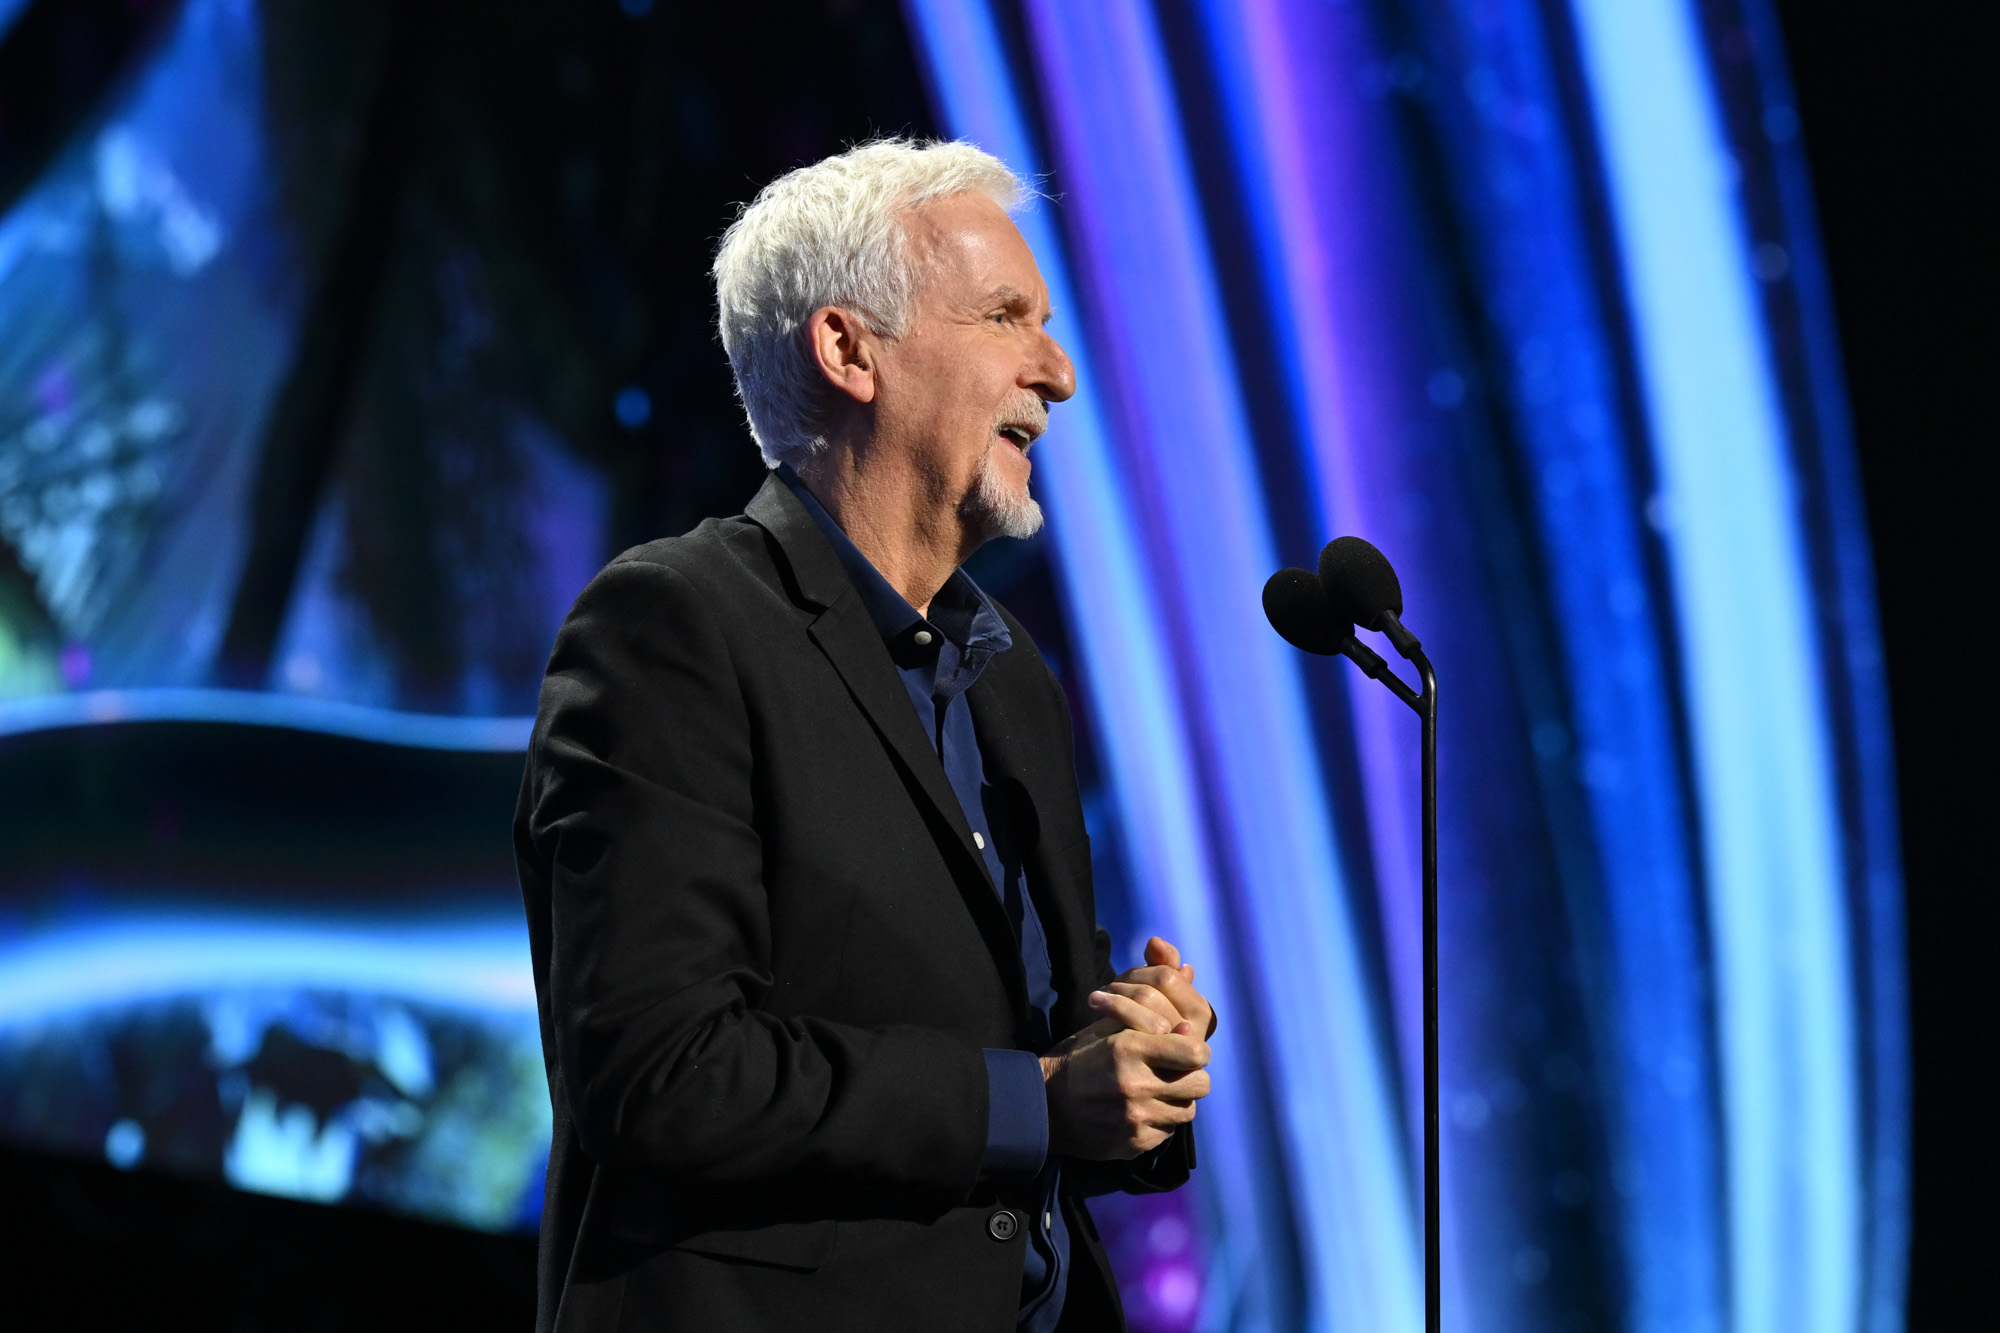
1360,586
1356,585
1296,604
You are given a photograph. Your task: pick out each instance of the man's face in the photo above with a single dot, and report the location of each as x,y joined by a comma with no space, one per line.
965,388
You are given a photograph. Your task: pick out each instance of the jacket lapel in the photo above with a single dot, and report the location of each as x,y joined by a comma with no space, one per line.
845,633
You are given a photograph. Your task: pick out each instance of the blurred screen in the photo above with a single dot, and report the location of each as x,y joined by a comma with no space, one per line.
266,935
271,956
339,345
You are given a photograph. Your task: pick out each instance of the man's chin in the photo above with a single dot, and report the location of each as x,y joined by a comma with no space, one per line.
1023,521
996,509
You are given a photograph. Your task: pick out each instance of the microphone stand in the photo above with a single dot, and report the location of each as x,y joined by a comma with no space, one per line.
1425,707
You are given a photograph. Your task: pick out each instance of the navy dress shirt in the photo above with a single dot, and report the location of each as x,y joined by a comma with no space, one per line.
939,658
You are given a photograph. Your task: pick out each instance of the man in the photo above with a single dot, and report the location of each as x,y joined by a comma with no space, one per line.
832,1035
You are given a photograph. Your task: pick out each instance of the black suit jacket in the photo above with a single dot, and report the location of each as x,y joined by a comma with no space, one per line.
767,955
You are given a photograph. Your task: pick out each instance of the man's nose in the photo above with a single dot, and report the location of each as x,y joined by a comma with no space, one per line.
1052,376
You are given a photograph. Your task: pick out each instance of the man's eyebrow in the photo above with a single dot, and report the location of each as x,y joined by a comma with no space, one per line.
1016,299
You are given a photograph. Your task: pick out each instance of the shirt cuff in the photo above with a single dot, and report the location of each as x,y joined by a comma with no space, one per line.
1017,1115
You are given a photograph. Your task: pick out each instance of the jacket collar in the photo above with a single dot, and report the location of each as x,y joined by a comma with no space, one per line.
816,570
960,612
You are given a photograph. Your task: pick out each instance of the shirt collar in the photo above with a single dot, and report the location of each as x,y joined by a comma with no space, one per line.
960,611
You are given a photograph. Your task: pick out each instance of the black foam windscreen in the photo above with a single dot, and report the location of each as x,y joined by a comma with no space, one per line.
1297,608
1358,582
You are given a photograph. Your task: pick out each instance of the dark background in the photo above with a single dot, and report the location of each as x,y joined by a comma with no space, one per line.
1902,128
1898,105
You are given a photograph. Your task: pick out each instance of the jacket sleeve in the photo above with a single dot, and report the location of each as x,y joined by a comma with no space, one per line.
640,819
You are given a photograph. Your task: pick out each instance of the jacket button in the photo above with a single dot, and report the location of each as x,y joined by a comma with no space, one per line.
1002,1225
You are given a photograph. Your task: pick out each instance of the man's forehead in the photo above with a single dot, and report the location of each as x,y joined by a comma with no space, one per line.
976,249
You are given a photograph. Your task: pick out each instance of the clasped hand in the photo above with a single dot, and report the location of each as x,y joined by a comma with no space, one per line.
1121,1086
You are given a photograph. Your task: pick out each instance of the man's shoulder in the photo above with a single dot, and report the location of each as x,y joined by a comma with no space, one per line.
713,548
728,561
720,583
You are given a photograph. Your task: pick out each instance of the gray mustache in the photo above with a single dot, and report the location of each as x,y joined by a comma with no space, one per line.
1032,413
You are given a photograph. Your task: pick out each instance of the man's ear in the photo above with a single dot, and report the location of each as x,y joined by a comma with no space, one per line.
845,349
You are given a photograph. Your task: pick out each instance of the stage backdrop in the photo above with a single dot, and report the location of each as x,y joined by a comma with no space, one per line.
1528,295
339,344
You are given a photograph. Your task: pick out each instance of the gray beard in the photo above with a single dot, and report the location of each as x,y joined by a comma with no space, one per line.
995,510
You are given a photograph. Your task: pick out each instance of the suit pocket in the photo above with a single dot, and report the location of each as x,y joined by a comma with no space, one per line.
800,1246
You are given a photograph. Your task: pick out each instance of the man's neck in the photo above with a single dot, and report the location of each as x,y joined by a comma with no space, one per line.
896,517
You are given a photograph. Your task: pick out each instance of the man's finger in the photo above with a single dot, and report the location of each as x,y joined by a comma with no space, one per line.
1132,1012
1165,1115
1177,984
1160,977
1178,1106
1184,1090
1151,997
1186,1000
1161,953
1102,1028
1163,1051
1176,1084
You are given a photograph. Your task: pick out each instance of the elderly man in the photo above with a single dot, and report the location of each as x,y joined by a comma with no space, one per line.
832,1034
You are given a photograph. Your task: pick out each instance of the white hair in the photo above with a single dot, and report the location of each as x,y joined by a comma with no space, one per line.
831,234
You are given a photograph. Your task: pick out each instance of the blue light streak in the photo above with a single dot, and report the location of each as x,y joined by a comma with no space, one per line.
1294,172
1298,131
1758,722
1188,455
1315,197
1753,1220
1108,597
475,964
258,708
1180,499
9,11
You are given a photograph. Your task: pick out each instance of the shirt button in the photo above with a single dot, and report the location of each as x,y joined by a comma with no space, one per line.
1048,1221
923,638
979,841
1002,1225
